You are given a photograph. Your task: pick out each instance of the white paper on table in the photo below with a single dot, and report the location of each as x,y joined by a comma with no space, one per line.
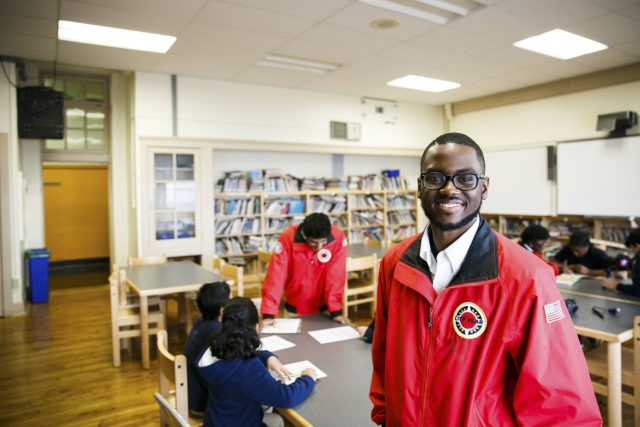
296,369
324,336
274,343
283,326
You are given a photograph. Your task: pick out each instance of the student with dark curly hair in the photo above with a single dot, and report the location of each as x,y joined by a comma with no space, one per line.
581,257
533,238
237,373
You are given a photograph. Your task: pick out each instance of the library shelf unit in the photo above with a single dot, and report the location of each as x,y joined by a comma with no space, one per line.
245,222
606,232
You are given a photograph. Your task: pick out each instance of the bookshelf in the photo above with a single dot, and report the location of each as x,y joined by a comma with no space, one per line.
246,222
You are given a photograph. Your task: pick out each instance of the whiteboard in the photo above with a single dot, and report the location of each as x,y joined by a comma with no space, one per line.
518,182
599,177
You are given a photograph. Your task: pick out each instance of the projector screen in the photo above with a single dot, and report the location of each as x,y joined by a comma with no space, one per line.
599,177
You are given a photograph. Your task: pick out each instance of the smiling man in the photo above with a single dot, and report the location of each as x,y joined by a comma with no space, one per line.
470,328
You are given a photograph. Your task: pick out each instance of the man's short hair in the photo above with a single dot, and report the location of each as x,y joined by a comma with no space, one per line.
533,233
211,298
455,138
579,239
633,238
316,225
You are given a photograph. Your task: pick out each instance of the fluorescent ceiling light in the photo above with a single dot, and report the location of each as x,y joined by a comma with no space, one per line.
295,64
560,44
446,6
114,37
425,84
406,10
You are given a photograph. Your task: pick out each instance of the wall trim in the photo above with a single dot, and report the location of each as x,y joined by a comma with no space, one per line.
247,145
596,80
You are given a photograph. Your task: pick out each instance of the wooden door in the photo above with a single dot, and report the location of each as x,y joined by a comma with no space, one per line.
76,211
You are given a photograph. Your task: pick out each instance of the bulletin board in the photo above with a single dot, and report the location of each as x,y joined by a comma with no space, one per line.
599,177
518,183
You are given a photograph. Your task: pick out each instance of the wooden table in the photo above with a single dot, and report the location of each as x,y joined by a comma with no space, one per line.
342,398
164,279
613,330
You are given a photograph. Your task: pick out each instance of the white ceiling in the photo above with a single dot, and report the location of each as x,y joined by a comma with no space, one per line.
223,39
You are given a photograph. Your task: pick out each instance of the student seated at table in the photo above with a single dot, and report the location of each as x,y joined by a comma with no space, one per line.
238,377
211,299
533,238
632,241
579,256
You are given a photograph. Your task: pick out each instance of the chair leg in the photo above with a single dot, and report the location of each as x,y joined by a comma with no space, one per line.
116,351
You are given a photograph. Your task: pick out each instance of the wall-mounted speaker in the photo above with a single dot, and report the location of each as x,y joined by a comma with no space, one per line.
40,113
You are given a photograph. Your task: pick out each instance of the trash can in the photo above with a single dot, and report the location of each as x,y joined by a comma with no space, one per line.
37,275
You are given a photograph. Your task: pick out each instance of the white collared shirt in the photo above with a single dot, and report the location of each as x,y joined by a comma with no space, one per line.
449,260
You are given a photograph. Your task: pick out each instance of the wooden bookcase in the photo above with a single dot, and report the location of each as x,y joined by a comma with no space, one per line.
245,222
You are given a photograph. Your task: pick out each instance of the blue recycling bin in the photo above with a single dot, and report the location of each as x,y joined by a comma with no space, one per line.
37,274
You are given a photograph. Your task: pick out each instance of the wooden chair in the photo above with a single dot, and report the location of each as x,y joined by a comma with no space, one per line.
149,259
125,316
263,263
172,379
598,368
168,415
361,284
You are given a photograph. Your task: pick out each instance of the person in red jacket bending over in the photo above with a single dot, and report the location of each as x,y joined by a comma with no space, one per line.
308,264
470,330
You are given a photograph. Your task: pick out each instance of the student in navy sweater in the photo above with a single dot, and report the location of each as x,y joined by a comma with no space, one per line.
633,288
238,377
211,299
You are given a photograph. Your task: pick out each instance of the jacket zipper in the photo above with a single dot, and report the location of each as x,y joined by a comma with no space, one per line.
426,367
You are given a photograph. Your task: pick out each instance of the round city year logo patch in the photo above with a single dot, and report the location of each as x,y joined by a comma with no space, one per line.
277,248
324,255
469,321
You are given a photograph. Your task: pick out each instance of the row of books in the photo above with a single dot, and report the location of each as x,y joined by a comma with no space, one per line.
272,180
401,201
401,233
237,206
362,235
363,218
284,207
238,226
401,218
366,201
328,203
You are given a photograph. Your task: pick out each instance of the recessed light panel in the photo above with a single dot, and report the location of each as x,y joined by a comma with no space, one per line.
114,37
560,44
425,84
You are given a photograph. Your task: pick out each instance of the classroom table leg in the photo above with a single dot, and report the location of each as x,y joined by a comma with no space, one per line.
144,331
614,384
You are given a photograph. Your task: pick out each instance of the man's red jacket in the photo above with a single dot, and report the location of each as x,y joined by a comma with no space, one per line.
496,348
311,280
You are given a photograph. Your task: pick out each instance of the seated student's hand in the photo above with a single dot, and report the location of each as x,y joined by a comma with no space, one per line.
311,372
274,364
361,330
609,282
341,319
268,321
579,269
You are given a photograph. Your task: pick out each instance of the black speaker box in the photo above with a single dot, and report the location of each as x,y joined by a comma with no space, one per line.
40,113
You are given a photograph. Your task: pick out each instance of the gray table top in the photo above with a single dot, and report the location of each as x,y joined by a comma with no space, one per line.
593,287
342,398
168,278
614,328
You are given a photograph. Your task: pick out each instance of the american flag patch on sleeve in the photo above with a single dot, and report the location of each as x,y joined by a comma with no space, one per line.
553,312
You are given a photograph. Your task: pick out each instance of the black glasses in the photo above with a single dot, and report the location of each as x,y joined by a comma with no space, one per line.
462,181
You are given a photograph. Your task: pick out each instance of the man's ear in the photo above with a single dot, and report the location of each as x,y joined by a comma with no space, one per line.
485,188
